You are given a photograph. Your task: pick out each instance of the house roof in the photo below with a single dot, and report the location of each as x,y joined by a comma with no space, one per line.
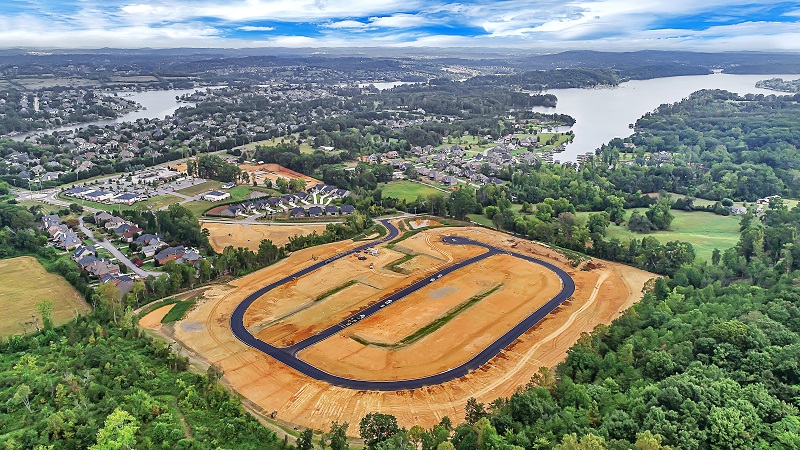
145,238
169,251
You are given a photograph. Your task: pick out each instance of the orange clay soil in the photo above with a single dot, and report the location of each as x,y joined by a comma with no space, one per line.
291,313
262,172
250,235
152,320
523,287
602,294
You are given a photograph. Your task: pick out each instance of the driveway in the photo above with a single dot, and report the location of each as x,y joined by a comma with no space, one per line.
117,254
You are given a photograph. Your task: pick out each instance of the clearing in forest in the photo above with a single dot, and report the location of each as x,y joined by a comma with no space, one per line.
23,284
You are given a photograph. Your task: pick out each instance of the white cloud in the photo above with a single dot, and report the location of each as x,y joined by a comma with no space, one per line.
537,24
346,25
401,21
304,10
251,28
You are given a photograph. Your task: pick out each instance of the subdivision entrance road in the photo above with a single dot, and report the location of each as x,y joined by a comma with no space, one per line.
288,355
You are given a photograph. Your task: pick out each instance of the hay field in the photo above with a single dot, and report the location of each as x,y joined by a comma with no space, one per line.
23,284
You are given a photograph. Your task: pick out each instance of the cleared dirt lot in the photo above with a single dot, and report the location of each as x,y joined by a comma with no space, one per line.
152,320
521,287
250,235
273,172
274,387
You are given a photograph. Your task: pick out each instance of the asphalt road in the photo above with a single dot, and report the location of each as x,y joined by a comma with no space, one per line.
288,355
117,254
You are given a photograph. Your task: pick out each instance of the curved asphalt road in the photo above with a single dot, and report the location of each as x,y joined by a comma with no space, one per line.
288,355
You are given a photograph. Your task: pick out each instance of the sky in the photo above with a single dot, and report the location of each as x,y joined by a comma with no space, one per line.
544,25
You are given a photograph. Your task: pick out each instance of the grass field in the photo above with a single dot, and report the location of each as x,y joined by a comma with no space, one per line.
407,190
201,188
157,202
305,147
23,284
705,231
178,311
238,194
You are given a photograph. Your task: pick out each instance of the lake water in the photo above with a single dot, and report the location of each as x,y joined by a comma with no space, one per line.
603,114
157,105
600,114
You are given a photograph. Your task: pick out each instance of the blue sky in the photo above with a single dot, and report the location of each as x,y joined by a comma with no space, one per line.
543,25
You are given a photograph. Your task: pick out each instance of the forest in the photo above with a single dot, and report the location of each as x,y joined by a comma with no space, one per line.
707,360
722,145
94,384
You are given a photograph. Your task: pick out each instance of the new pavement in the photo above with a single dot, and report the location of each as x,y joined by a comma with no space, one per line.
288,355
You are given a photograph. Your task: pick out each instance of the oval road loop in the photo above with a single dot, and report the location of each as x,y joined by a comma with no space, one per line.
288,355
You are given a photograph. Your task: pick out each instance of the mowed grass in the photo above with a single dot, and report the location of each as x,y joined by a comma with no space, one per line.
705,231
158,202
201,188
238,193
407,190
23,284
305,147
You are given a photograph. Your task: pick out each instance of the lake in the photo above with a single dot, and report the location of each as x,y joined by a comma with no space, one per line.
605,113
601,114
157,105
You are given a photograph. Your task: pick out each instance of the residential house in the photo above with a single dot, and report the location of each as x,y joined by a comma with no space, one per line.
50,221
102,216
102,267
170,254
68,240
297,212
83,251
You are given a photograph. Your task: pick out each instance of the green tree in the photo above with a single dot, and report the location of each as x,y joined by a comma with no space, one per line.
586,442
474,411
305,442
337,437
462,202
649,441
22,396
45,309
111,296
377,427
118,432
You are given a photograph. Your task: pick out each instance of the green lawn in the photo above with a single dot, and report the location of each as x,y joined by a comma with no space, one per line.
238,194
201,188
158,202
480,219
705,231
408,190
199,207
305,147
